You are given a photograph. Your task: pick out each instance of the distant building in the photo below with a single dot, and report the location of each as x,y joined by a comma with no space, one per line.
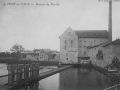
41,50
47,55
28,55
32,56
43,54
27,51
54,56
74,44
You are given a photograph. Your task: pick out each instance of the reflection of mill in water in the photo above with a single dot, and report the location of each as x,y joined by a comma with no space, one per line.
84,70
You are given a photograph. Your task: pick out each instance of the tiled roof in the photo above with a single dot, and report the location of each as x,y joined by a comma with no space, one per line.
92,34
115,42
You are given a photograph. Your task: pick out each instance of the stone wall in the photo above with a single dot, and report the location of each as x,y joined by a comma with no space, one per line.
86,42
68,46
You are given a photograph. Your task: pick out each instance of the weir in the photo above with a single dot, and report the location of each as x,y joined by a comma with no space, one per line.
24,74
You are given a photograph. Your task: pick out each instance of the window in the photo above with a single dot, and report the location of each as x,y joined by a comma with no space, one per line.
101,41
71,43
85,53
69,33
65,45
99,55
80,40
66,56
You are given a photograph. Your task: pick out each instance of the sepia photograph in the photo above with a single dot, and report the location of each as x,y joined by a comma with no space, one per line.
59,44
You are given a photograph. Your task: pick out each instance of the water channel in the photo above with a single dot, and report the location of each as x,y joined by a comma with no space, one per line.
73,79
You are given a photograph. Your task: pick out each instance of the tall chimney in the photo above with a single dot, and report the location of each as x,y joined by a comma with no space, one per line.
110,21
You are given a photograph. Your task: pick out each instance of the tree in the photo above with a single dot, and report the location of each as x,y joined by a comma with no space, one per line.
17,48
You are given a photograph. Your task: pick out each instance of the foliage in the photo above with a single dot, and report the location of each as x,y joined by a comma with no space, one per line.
8,54
17,48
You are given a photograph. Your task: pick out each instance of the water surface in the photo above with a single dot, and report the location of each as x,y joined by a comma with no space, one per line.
74,79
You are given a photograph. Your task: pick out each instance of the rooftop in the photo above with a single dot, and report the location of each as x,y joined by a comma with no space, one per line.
90,47
92,33
115,42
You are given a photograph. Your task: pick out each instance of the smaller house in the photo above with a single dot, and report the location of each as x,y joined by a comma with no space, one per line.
95,53
54,56
43,54
104,54
111,51
32,56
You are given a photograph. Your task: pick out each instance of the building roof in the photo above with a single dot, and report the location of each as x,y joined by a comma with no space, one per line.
92,34
31,54
90,47
101,44
115,42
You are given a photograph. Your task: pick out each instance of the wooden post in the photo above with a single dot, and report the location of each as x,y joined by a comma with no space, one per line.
19,74
37,70
11,74
26,72
31,72
34,71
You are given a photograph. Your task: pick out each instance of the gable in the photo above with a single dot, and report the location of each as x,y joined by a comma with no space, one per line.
68,33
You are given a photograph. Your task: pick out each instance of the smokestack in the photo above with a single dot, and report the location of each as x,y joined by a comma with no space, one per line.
110,21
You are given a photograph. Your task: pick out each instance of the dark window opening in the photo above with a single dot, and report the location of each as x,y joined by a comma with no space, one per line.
71,43
99,55
65,45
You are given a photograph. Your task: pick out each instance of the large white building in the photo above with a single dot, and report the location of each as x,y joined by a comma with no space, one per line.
74,43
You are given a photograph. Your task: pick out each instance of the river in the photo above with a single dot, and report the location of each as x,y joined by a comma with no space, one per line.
74,79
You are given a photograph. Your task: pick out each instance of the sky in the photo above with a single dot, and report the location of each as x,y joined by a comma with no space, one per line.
39,26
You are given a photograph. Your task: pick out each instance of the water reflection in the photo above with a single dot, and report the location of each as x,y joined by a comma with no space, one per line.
50,83
82,79
74,79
